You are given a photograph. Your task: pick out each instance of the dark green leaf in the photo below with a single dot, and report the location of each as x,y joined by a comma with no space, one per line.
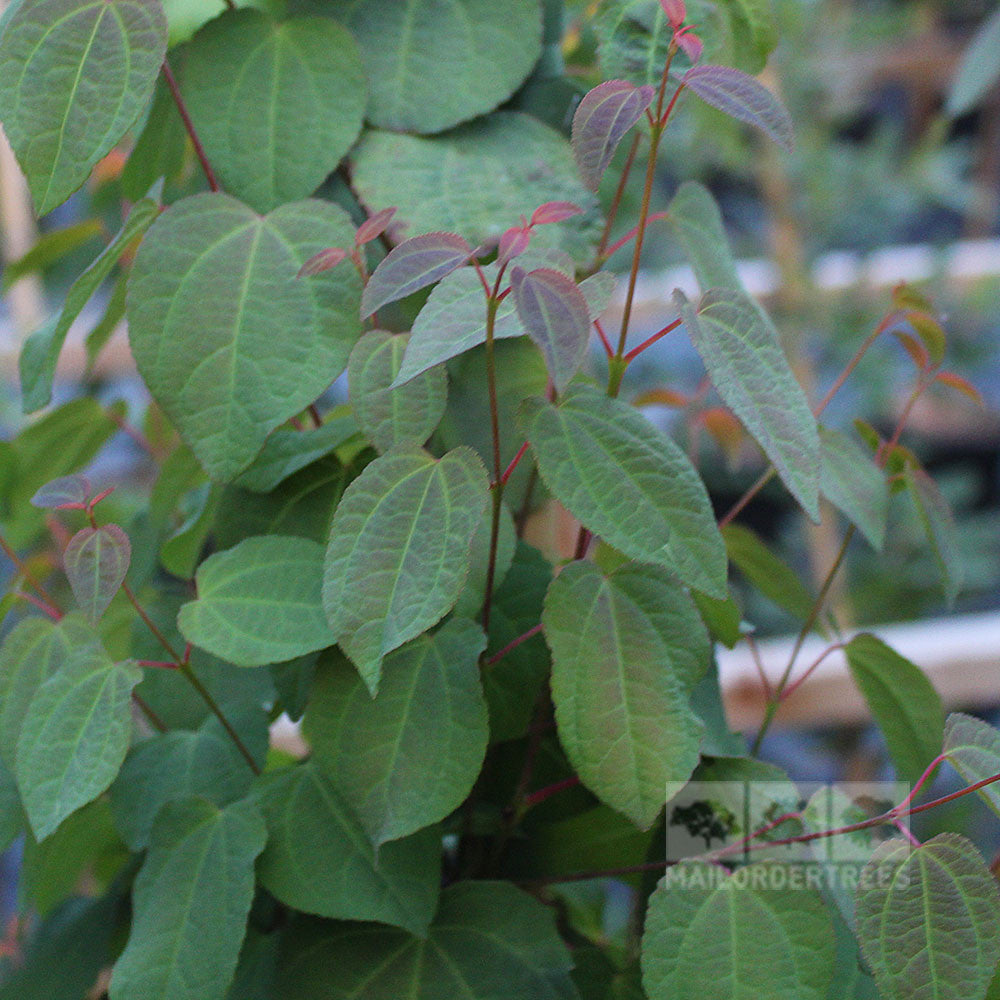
939,526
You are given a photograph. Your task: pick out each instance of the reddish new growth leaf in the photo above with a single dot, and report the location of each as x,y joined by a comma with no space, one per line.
513,243
676,12
414,264
916,350
742,97
602,119
963,385
325,260
64,493
554,211
373,228
690,44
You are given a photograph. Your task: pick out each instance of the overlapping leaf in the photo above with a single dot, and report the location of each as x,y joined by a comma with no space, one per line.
96,561
408,757
973,749
191,900
74,76
626,650
267,346
276,104
399,550
628,483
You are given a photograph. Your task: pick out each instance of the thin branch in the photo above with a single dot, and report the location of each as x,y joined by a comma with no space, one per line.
154,720
536,798
509,471
199,150
511,646
608,350
40,604
150,624
669,328
27,574
602,253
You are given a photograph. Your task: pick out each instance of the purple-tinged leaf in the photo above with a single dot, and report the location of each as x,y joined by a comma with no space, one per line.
414,264
554,211
691,45
554,311
602,119
325,260
96,561
373,228
513,243
742,97
66,492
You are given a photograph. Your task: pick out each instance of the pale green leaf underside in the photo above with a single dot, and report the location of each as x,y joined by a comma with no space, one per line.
74,736
74,75
276,104
628,483
927,920
399,550
408,757
489,941
709,936
190,902
902,700
973,749
432,65
259,602
319,859
626,650
265,346
436,182
404,415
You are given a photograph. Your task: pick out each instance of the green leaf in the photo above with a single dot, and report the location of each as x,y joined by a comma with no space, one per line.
939,526
269,346
854,484
628,483
432,67
319,859
180,764
399,551
96,561
11,822
40,353
161,149
979,68
34,650
48,249
927,919
111,317
288,450
769,574
626,650
75,75
489,940
276,104
406,415
436,181
973,749
470,601
75,735
902,700
714,936
191,901
706,702
408,757
746,364
259,602
697,223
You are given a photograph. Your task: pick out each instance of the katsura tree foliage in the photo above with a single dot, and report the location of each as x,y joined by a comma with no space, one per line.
416,194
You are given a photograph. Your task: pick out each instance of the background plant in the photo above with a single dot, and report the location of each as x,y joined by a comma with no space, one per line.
327,188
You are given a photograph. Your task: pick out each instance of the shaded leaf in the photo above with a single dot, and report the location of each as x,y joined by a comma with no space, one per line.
259,602
902,700
65,492
601,120
74,76
49,248
96,561
191,901
626,650
408,757
978,69
319,860
697,223
854,484
973,749
628,483
741,97
268,347
939,526
927,919
399,551
747,366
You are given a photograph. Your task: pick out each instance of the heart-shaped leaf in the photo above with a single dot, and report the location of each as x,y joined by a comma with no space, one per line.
276,104
74,76
96,561
268,345
414,264
741,97
603,117
399,550
554,312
